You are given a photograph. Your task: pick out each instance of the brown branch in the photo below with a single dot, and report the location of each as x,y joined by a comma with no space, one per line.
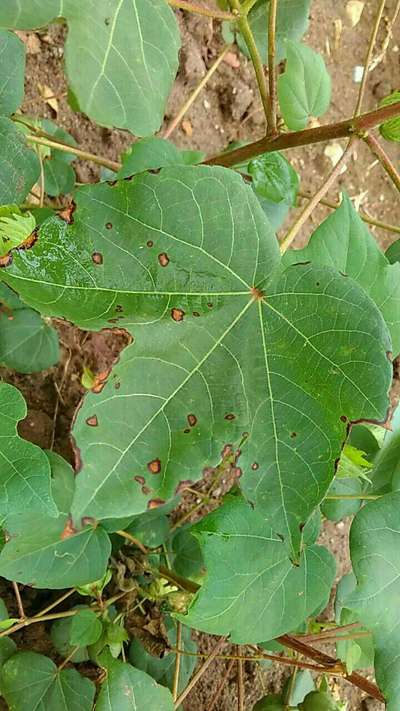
322,658
199,673
175,685
365,218
200,10
383,158
368,58
240,681
335,669
271,66
284,141
19,601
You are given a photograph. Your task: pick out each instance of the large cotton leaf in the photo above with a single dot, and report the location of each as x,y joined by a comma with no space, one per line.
12,70
304,90
32,681
253,591
224,343
129,689
129,51
344,242
375,554
19,164
24,468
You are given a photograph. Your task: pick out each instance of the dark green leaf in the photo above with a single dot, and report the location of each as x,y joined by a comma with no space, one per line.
151,154
274,178
24,468
86,628
252,590
336,510
392,253
12,71
320,701
272,702
355,653
62,482
59,177
296,689
19,165
304,90
60,636
391,129
31,681
188,559
153,532
27,343
344,242
29,14
127,688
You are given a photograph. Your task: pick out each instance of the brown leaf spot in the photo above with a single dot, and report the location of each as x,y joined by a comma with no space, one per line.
88,521
154,466
69,529
210,305
187,430
145,490
92,421
67,213
257,294
343,418
150,243
119,309
227,451
163,258
192,420
140,480
293,435
6,260
100,381
155,503
97,258
196,314
229,416
117,385
177,314
255,466
108,225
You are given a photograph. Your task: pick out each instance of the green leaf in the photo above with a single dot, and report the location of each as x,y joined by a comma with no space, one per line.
60,636
62,482
129,68
357,654
291,24
15,228
304,90
12,72
337,510
392,253
299,687
24,468
86,628
27,342
344,242
31,681
7,649
188,558
274,178
320,701
151,154
272,702
391,129
183,283
353,463
19,165
151,531
59,177
127,688
375,554
43,557
253,591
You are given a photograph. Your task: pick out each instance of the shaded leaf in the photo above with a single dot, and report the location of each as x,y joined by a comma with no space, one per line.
275,184
60,636
12,71
31,681
59,177
299,687
27,343
188,558
252,590
128,688
356,653
271,702
62,482
304,90
19,165
86,628
337,510
24,468
343,241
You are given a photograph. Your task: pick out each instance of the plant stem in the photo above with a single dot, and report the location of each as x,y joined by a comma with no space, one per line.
105,162
245,29
240,681
192,98
183,583
368,58
284,141
352,497
132,539
68,658
325,633
199,673
221,686
175,686
383,158
365,218
271,65
286,661
322,658
19,601
199,10
310,207
57,602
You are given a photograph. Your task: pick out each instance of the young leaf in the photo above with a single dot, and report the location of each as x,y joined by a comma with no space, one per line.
127,688
24,468
15,228
60,636
304,90
27,342
359,653
19,165
12,71
375,554
320,701
392,253
151,154
86,628
391,129
253,591
344,242
128,69
31,681
212,317
274,178
59,177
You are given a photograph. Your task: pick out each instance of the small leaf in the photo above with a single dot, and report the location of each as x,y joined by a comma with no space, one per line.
62,482
320,701
151,531
15,228
59,177
304,89
7,649
149,154
31,681
188,558
359,653
12,71
60,636
24,468
252,590
274,178
392,253
27,342
86,628
127,688
19,165
391,129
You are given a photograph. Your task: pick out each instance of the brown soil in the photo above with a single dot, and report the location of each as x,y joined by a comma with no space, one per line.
228,109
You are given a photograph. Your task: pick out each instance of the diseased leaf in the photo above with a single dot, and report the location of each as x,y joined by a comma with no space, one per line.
19,165
217,332
375,554
12,71
127,688
24,468
253,591
31,681
344,242
304,90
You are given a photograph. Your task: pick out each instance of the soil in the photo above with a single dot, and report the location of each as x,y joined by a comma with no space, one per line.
228,110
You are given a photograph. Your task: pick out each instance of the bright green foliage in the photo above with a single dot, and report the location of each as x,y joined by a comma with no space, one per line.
15,228
154,153
127,688
320,701
176,265
86,628
291,24
375,554
128,70
344,242
31,681
12,71
391,129
24,468
253,591
19,165
304,90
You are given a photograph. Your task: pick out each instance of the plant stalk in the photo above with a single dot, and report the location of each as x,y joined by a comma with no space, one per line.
368,58
58,145
175,685
272,119
383,158
195,678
